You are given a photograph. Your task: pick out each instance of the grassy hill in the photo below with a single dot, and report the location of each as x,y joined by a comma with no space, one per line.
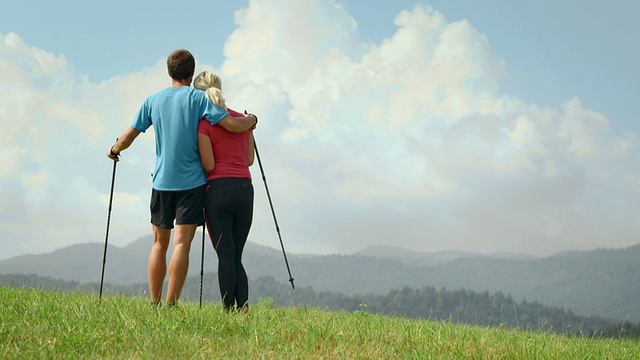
603,282
42,324
427,303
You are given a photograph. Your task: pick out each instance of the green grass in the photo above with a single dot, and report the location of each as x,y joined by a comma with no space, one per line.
44,324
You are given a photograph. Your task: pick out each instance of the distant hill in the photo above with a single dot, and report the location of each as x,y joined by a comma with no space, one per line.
124,266
417,258
603,282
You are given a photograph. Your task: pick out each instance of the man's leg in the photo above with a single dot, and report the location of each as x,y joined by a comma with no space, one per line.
157,265
179,265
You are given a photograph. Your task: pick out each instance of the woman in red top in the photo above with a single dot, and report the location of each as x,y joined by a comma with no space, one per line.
226,158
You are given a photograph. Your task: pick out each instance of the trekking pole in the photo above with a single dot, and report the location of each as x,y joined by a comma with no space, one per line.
202,266
106,238
264,178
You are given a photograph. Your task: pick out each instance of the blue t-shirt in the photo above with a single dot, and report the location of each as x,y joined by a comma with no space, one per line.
174,113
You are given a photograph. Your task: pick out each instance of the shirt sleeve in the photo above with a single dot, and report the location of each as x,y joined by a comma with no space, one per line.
142,121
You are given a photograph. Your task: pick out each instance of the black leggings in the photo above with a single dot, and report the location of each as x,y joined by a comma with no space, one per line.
229,212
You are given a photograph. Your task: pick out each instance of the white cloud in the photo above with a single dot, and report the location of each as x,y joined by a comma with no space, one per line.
410,142
56,129
418,122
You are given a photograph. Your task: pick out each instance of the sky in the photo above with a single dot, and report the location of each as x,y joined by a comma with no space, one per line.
478,126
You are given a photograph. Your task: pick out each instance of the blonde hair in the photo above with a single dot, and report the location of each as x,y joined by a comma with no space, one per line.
215,96
212,85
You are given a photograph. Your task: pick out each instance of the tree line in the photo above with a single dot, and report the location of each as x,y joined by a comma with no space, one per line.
455,306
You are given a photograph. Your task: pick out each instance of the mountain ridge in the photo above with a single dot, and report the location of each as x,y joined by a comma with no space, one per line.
603,282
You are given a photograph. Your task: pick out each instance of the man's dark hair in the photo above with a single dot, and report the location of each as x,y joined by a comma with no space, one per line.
181,64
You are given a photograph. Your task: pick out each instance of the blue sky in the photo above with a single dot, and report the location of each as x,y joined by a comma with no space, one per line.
481,126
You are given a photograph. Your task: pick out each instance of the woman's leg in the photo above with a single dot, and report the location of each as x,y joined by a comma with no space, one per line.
219,222
241,226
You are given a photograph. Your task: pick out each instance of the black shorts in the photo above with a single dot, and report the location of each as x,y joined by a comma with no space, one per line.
185,207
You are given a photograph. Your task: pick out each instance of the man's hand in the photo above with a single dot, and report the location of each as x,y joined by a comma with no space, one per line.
254,125
122,143
112,154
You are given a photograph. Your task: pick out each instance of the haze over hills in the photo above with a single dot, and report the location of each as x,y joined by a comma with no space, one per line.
126,265
603,282
429,258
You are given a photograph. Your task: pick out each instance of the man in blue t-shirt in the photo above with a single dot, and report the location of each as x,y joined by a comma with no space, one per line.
179,180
